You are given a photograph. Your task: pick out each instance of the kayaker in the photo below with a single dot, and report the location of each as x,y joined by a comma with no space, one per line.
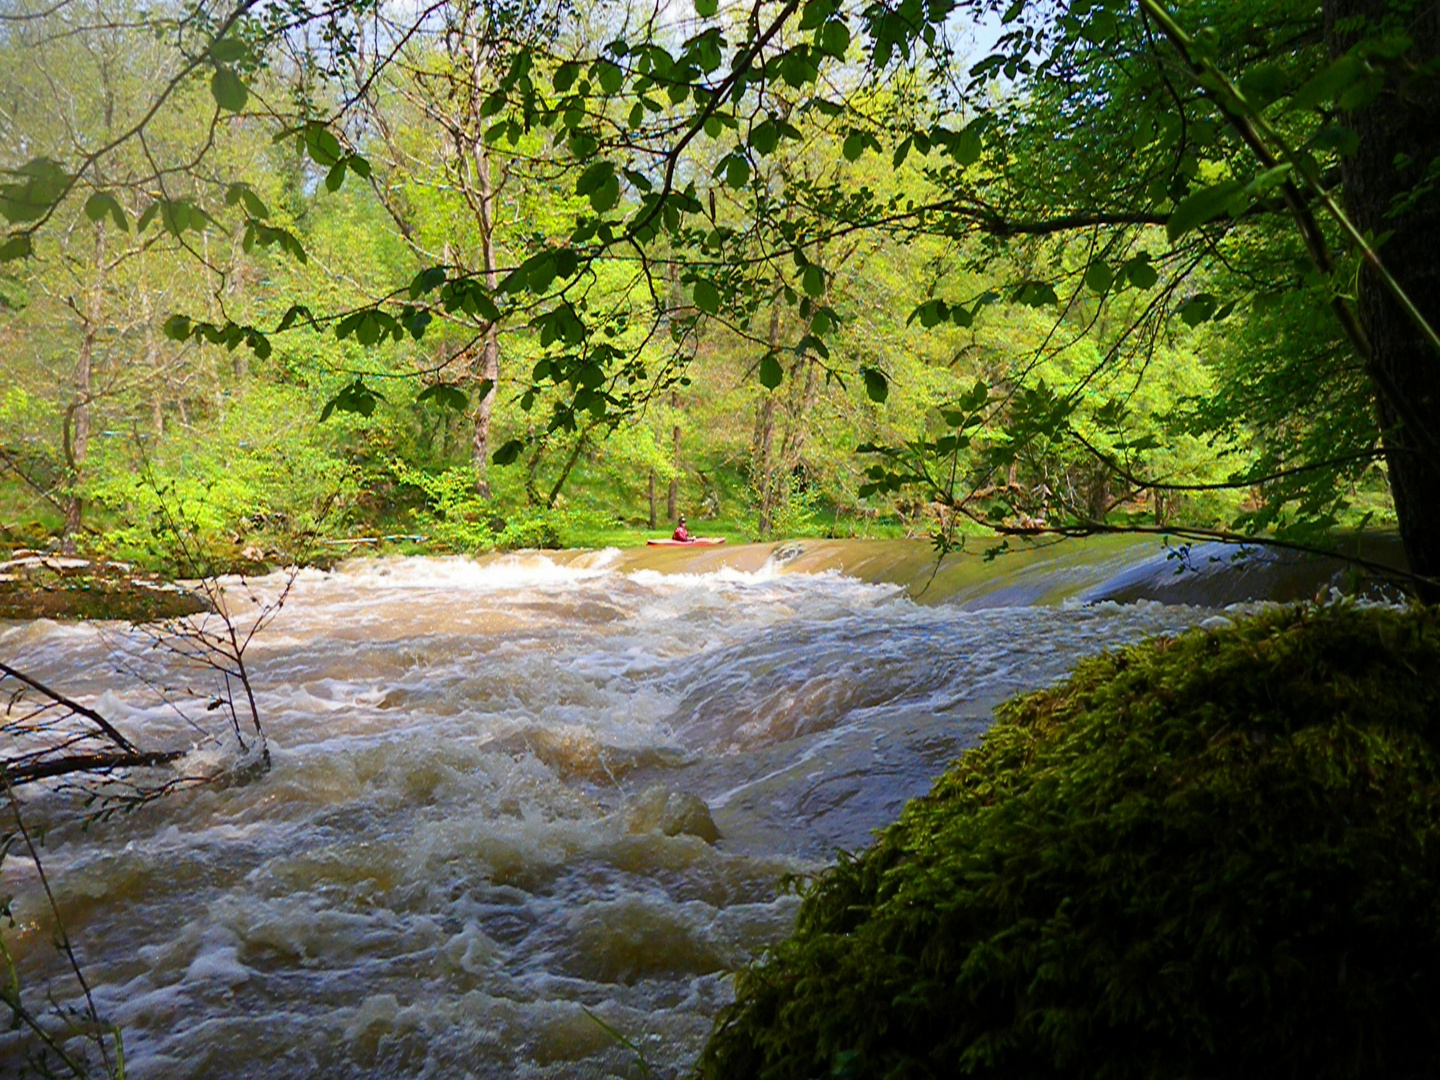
681,533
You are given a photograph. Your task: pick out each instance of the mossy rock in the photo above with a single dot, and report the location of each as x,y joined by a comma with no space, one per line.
1216,855
40,587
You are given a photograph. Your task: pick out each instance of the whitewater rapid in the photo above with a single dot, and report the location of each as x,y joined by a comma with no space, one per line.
457,865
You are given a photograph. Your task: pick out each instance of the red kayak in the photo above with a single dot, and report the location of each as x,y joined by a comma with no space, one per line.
697,541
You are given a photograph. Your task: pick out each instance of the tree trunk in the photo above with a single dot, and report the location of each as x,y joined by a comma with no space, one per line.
490,349
762,446
77,416
1404,119
570,462
153,367
760,455
672,496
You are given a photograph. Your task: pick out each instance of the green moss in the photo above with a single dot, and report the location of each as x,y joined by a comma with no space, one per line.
1211,856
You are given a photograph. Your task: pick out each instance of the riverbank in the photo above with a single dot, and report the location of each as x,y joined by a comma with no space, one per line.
40,586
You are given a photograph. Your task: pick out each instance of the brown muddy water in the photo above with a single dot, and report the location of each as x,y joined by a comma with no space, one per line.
486,836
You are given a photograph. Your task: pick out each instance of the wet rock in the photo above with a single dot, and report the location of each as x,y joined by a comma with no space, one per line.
787,552
673,813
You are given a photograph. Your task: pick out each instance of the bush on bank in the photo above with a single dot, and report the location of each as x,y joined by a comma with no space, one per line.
1211,856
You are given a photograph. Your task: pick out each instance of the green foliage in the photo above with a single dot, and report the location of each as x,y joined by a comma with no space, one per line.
264,477
452,514
454,517
1214,855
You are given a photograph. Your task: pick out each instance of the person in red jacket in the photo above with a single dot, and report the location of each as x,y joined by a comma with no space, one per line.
681,533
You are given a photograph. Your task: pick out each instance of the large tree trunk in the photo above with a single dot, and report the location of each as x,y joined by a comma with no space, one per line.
1404,119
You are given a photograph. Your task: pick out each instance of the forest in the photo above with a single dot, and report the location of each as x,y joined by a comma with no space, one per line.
497,290
455,273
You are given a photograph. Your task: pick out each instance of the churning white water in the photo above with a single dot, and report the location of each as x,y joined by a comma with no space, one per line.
462,863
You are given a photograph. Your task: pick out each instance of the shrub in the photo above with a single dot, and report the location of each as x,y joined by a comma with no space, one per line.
1210,856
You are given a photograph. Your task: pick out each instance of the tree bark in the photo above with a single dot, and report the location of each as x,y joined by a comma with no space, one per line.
672,496
77,416
490,349
762,446
1403,120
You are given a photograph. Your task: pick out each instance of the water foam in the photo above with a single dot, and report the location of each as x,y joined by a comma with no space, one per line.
442,872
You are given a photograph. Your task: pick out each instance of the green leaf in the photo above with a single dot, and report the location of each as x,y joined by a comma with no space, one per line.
764,137
975,400
1035,294
707,296
771,374
16,247
877,387
1197,309
508,452
425,281
336,176
42,183
241,193
322,145
367,333
931,313
354,398
835,38
610,77
594,177
1329,84
565,76
1201,206
228,89
177,328
1269,179
813,280
737,171
1098,276
706,8
1263,84
540,272
1140,273
967,146
606,195
445,396
854,146
228,50
102,203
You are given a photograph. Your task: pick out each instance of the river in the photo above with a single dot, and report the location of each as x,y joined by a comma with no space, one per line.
460,864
